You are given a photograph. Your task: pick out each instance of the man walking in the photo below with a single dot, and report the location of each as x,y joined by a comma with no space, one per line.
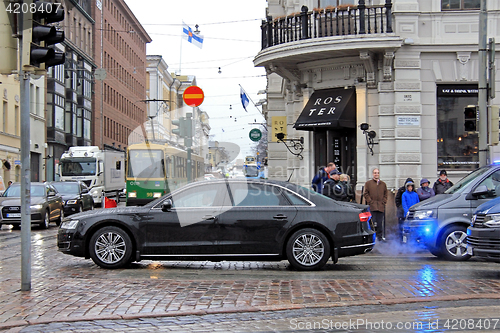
322,176
375,194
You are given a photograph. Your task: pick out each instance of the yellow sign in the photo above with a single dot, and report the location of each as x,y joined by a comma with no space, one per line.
279,126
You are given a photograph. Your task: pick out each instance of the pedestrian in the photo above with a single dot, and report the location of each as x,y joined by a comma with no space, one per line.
424,191
375,194
409,197
322,176
344,179
333,187
9,183
442,183
399,207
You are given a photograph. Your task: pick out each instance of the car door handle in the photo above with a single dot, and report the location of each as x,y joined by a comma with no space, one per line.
280,217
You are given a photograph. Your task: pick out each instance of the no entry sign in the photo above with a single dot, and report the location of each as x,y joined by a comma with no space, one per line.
193,96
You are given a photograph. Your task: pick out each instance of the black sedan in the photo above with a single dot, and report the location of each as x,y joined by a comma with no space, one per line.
227,219
76,196
46,205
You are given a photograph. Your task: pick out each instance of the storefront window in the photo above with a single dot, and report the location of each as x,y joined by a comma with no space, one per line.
457,136
460,4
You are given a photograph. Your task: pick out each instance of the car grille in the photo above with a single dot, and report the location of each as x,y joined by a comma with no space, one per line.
410,215
10,210
479,221
485,243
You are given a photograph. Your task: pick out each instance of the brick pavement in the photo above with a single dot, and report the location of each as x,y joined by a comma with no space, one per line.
68,289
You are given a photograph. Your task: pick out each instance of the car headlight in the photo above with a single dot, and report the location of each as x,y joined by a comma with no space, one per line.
71,202
492,220
36,206
423,214
71,224
132,195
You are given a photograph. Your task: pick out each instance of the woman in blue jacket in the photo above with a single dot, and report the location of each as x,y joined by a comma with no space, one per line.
409,197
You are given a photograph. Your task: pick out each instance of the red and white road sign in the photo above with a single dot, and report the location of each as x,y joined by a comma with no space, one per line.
193,96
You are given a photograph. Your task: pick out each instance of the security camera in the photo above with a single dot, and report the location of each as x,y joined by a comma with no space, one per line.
372,134
364,126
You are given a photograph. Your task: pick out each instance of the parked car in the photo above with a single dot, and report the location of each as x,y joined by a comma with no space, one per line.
46,205
227,219
483,234
440,222
75,195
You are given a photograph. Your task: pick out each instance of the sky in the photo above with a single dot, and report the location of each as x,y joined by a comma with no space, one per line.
232,38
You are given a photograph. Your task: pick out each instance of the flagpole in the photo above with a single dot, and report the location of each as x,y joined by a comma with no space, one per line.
180,57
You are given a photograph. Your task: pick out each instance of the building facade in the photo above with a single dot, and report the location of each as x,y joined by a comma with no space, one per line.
366,84
120,78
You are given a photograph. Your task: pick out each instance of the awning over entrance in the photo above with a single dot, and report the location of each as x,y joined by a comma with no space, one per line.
329,108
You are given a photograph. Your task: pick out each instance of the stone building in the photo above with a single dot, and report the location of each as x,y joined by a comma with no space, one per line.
405,69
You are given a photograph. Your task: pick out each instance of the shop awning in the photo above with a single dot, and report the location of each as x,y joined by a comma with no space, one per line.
329,108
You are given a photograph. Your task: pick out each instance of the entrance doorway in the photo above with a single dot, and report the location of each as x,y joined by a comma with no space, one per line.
338,146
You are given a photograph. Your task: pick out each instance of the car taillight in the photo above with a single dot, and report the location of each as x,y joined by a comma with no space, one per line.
365,217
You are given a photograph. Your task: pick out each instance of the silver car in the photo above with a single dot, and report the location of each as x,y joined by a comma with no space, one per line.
46,205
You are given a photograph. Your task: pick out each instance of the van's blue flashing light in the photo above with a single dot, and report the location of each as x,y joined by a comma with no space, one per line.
496,162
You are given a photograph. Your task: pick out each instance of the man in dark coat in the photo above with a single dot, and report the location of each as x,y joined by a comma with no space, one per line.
442,183
322,176
334,188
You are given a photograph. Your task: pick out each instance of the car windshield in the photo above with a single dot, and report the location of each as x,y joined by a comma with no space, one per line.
14,191
78,166
461,185
67,188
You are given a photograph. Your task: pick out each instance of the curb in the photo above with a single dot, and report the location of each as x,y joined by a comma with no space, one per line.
393,301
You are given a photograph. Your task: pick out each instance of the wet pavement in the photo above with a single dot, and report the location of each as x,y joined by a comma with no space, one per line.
394,284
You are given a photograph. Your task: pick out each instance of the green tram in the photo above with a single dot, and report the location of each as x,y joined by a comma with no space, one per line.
154,170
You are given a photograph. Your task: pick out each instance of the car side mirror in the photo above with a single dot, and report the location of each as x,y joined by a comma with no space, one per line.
166,206
480,190
51,193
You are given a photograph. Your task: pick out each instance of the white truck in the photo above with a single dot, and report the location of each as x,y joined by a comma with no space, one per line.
102,170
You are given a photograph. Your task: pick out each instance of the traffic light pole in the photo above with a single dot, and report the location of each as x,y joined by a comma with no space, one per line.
24,93
483,88
188,141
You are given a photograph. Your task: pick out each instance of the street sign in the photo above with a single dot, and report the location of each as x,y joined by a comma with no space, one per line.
255,134
193,96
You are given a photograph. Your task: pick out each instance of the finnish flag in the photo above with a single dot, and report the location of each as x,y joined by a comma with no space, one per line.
244,98
190,36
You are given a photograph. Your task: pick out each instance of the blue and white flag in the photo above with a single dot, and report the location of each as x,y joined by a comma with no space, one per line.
245,100
189,35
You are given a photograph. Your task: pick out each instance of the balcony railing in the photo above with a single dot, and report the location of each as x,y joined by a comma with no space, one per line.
344,21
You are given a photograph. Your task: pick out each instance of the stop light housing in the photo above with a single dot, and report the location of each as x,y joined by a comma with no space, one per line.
181,127
40,38
470,118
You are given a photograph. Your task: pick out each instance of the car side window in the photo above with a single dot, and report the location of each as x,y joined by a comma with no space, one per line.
205,196
295,200
492,182
256,195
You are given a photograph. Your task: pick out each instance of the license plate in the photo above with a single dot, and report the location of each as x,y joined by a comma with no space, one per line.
13,215
469,250
405,239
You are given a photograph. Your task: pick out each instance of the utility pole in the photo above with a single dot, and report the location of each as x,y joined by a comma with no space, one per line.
188,142
483,88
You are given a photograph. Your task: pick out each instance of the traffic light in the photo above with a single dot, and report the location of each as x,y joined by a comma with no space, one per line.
470,118
40,38
181,130
494,124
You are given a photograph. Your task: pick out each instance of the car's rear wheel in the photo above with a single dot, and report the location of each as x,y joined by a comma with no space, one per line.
110,247
453,243
308,249
45,220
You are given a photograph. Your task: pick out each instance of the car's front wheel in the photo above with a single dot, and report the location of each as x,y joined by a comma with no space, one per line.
308,249
453,243
45,220
110,247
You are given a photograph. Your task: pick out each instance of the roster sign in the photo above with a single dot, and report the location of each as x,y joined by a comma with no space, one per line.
409,121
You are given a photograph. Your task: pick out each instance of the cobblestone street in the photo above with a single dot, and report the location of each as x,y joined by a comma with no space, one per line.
73,294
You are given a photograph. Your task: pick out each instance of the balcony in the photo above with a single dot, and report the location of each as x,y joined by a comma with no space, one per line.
327,33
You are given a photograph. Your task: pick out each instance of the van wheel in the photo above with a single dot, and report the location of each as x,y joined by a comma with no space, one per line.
308,249
453,243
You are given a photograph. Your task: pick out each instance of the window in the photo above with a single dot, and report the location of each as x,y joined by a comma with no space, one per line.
457,139
245,195
460,4
492,183
196,197
335,3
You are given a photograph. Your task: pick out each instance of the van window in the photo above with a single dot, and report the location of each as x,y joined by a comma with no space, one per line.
461,185
492,182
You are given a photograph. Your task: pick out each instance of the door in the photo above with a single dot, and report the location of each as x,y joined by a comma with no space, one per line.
87,200
257,219
189,228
